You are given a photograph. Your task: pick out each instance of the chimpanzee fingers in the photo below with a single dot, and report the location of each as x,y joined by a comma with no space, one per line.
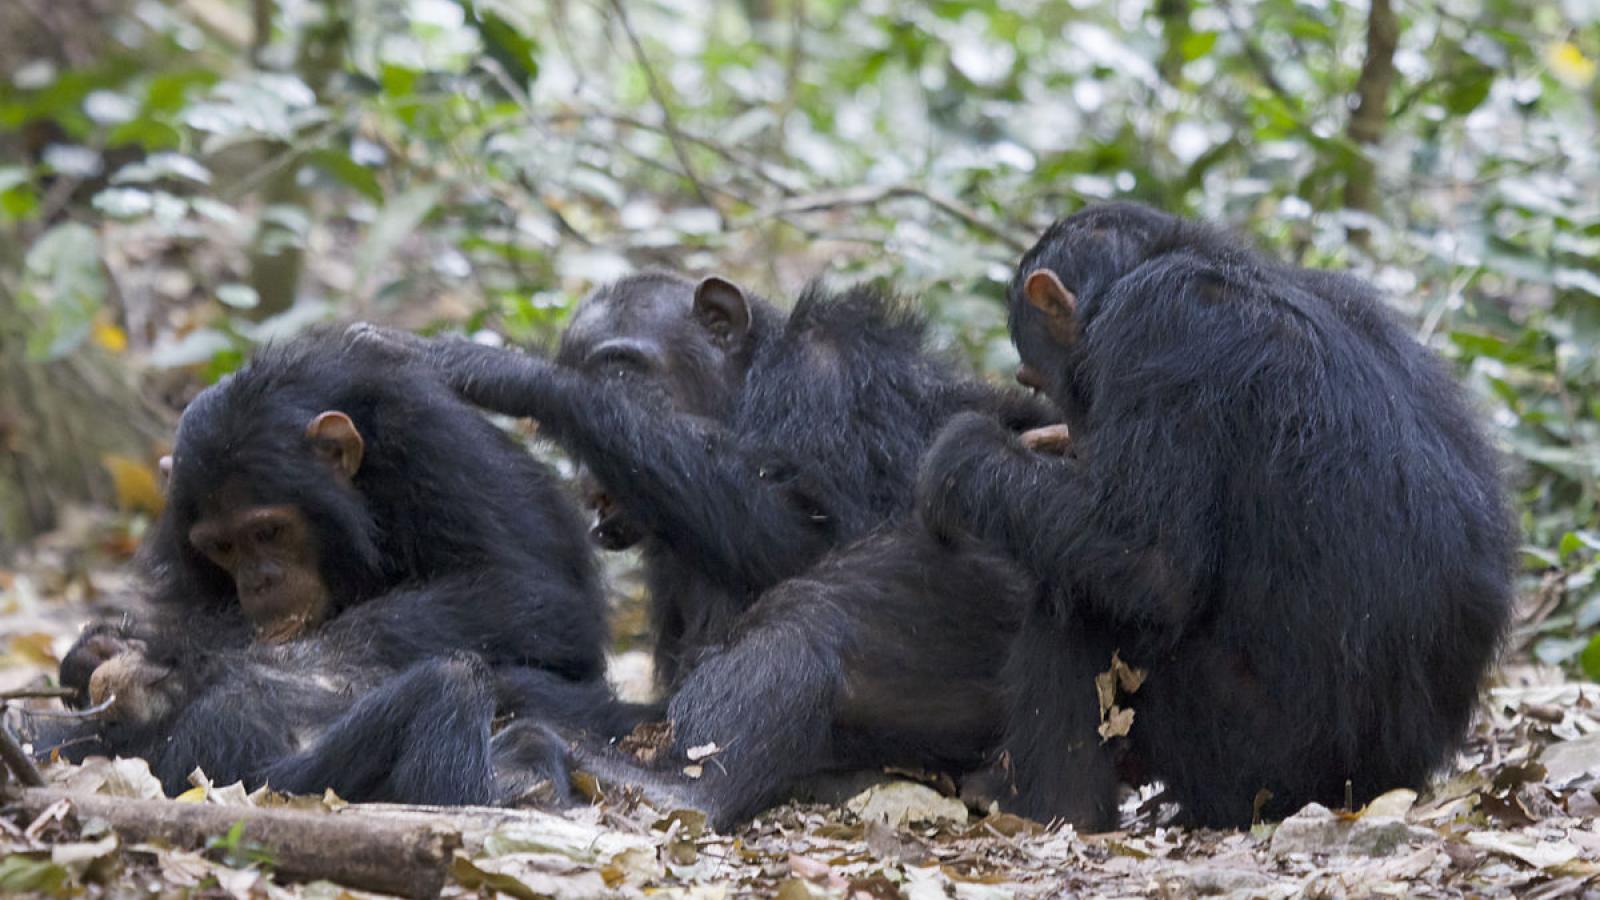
950,466
99,643
138,691
1055,440
390,342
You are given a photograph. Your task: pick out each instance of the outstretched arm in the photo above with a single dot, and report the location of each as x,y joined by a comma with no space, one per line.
686,480
1119,544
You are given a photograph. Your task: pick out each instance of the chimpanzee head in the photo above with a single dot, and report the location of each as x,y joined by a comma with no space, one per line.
263,510
669,339
1058,287
682,344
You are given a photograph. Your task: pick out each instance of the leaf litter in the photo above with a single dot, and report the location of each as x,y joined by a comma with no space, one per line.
1516,815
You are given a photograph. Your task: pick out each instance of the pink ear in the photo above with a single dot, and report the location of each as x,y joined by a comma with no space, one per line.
335,438
1047,294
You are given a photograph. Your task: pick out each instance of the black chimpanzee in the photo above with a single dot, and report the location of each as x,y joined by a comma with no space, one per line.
352,570
1275,502
741,446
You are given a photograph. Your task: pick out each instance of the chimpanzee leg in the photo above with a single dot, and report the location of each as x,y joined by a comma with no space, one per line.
766,702
421,737
1053,714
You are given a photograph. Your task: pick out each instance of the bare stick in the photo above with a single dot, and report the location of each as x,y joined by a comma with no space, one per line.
660,96
38,693
17,759
363,852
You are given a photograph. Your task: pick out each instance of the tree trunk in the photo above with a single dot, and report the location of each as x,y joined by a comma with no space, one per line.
1371,111
58,421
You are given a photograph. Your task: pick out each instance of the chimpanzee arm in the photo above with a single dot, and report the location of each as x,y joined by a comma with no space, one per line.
507,617
1080,527
685,479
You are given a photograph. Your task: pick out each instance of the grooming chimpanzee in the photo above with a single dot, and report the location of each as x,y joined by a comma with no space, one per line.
350,558
1275,502
741,446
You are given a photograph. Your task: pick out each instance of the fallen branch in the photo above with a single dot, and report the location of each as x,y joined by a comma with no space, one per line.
16,759
365,852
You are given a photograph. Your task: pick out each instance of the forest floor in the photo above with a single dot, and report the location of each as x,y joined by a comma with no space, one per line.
1517,816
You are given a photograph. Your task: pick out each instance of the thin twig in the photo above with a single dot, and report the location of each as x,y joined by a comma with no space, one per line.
673,137
38,693
88,712
1256,56
17,759
869,195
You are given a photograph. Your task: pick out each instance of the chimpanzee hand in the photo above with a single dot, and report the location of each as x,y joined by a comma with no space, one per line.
393,342
135,690
109,663
1055,440
487,376
98,644
963,455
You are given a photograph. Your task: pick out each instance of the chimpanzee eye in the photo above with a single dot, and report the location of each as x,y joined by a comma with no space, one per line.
268,533
617,362
221,548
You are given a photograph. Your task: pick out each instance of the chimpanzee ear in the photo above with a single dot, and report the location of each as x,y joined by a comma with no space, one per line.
722,308
1047,294
335,439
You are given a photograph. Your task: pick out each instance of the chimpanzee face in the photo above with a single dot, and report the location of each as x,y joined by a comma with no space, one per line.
270,552
270,547
667,339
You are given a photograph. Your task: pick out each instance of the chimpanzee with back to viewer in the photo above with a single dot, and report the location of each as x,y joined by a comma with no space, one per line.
1276,502
353,571
803,620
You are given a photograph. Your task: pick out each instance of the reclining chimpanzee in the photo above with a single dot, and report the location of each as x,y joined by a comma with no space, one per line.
1276,502
803,621
353,572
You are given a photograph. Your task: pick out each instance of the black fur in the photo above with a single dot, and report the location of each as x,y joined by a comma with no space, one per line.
802,622
1277,502
460,573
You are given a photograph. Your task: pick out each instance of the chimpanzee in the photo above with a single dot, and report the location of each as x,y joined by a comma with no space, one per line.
803,620
1274,502
349,558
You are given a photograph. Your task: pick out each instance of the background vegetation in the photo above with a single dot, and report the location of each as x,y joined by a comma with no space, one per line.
182,179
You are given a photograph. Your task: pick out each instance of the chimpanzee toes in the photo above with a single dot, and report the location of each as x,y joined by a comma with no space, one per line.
530,766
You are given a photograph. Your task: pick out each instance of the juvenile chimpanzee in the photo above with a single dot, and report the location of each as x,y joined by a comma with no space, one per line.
1275,502
351,558
741,446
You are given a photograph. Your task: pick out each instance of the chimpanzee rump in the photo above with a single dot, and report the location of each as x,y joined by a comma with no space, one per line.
352,570
1276,502
742,446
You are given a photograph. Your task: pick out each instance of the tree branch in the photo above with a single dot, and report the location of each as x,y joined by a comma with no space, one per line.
673,137
1371,111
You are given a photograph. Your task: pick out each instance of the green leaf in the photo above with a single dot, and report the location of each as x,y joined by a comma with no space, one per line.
1570,544
347,170
64,287
1196,44
20,873
238,296
1466,91
399,218
1589,659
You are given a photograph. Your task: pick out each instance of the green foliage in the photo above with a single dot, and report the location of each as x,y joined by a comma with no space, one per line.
488,161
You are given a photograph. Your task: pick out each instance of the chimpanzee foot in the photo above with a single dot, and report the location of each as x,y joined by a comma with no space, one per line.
530,766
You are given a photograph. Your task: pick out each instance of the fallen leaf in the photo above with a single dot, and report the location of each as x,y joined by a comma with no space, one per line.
135,484
703,751
1526,848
